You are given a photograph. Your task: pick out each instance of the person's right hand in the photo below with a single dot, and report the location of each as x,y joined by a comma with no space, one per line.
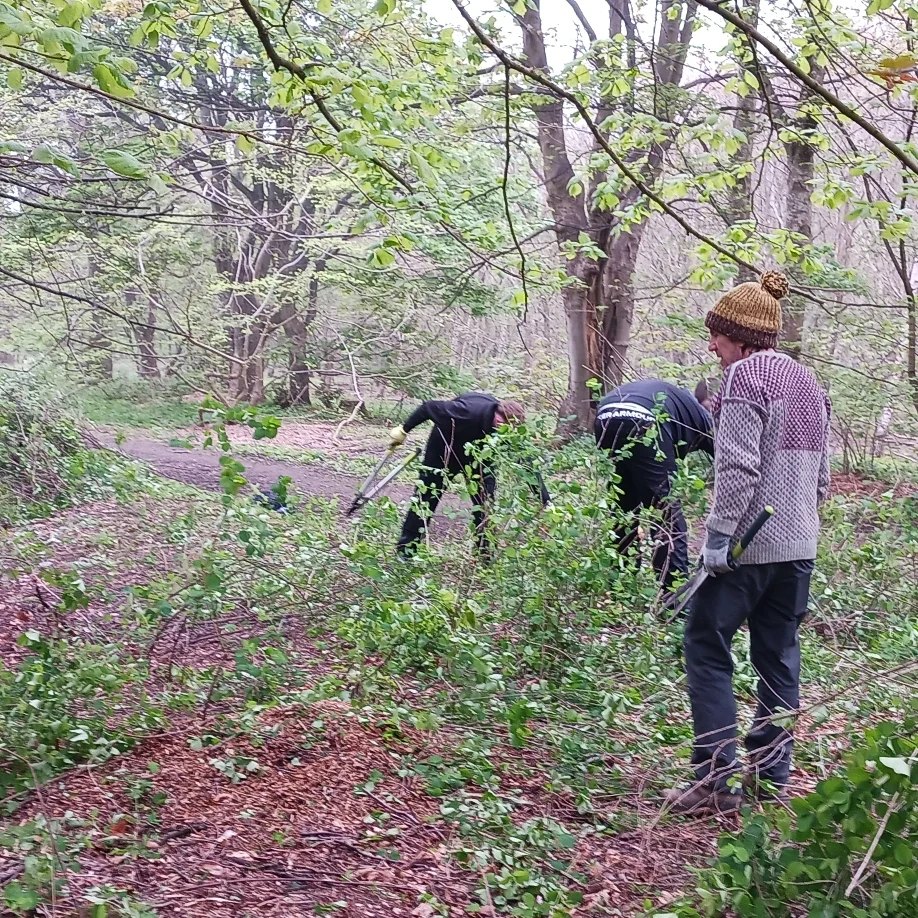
397,436
716,555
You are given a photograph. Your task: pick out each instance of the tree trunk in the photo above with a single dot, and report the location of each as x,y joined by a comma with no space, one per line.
617,305
739,205
144,334
798,217
577,410
570,221
235,375
599,302
255,367
99,340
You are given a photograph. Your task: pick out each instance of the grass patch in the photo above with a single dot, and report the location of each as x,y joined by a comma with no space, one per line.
142,408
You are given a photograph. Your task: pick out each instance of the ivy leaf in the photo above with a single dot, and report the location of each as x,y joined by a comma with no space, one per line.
124,164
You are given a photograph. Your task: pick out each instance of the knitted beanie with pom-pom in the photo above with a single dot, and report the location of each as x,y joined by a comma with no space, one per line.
751,312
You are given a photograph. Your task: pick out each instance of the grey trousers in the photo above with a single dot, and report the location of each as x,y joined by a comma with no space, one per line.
772,598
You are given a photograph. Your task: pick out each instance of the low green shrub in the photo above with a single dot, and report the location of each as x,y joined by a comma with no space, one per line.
850,848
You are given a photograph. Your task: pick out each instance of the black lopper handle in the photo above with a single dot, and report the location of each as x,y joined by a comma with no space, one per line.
751,532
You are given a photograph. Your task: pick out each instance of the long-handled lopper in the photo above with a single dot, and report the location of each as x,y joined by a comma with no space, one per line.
680,599
370,488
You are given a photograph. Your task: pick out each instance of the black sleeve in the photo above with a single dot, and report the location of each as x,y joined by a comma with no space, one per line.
420,414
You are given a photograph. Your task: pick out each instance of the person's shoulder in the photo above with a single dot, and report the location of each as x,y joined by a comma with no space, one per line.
746,379
477,400
679,393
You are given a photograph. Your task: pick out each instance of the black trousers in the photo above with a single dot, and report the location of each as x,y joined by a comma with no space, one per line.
773,599
645,473
442,462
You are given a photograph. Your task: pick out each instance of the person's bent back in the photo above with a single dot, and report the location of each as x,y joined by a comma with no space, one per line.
646,426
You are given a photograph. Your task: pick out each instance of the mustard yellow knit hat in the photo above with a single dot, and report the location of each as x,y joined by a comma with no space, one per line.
750,312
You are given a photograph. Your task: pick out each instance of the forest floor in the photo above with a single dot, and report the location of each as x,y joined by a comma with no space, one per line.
309,807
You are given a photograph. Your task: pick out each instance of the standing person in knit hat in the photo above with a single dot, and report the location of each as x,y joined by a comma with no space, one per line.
771,448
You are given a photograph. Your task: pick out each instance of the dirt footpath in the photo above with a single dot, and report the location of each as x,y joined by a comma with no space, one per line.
201,468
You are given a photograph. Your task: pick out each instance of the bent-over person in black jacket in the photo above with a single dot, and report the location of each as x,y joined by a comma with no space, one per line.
681,425
457,423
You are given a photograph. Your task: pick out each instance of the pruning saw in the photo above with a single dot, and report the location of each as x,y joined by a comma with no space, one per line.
680,599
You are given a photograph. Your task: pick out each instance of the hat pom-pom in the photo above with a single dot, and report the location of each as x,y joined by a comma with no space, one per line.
775,284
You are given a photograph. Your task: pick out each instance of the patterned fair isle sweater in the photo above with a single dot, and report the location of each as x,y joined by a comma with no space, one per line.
771,447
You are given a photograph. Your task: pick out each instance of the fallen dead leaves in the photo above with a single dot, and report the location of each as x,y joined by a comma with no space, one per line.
331,816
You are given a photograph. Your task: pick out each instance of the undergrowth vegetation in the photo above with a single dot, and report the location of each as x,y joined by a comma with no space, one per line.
550,680
44,463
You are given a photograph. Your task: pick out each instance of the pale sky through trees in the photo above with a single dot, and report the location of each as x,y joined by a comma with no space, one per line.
564,35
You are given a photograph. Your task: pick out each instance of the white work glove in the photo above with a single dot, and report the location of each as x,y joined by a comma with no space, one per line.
716,554
397,436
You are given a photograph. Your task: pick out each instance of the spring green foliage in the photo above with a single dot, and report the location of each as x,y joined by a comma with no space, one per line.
59,705
44,465
550,668
848,848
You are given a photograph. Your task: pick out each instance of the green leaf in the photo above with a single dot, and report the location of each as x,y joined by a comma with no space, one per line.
899,765
111,82
751,79
244,144
124,163
362,96
20,898
158,184
58,35
13,146
72,13
14,78
49,156
14,23
324,7
381,258
384,7
878,6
